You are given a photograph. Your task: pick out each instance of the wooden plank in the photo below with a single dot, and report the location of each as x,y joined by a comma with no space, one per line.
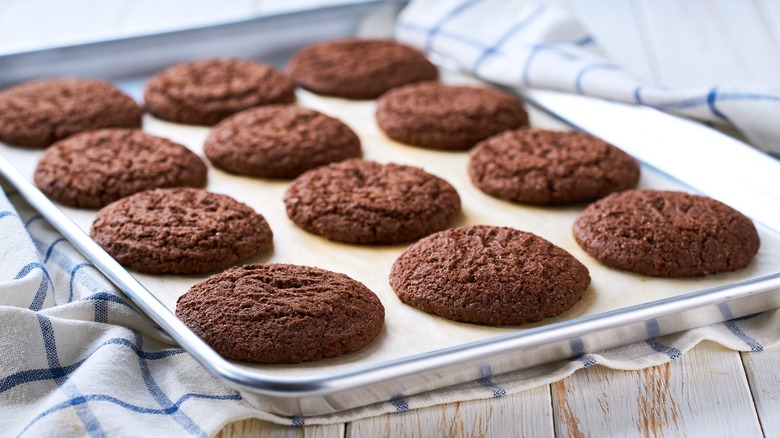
764,379
254,428
769,11
704,393
711,42
525,414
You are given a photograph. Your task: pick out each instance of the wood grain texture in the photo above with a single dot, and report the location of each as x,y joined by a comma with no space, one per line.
527,414
727,50
689,43
704,393
255,428
763,373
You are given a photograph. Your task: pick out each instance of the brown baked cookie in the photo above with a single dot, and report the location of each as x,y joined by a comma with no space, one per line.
536,166
180,231
360,201
358,68
488,275
438,116
275,313
95,168
666,234
279,141
38,113
205,92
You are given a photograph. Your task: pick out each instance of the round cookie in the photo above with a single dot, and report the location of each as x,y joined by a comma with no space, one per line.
358,68
180,231
205,92
38,113
666,234
276,313
360,201
438,116
95,168
279,141
488,275
550,167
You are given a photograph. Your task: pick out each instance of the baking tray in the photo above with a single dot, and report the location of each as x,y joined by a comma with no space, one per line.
467,352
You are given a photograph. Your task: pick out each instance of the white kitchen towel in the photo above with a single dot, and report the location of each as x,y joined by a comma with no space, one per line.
78,359
540,44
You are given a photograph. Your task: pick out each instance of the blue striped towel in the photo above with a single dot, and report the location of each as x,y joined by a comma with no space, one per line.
541,45
79,359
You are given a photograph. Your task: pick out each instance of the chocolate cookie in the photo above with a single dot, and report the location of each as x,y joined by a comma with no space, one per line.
550,167
180,230
279,141
38,113
358,69
205,92
274,313
666,234
95,168
438,116
359,201
488,275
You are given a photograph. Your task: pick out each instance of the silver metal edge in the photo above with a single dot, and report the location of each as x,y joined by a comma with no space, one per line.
143,54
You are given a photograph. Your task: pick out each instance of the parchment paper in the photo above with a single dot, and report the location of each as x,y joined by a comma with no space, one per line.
409,331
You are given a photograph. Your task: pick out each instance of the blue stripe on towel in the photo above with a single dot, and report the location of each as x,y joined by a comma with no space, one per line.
73,273
36,375
508,34
448,35
43,288
654,330
656,345
447,17
578,352
9,214
589,68
485,379
752,343
162,399
399,403
107,297
32,219
50,248
90,398
712,97
83,411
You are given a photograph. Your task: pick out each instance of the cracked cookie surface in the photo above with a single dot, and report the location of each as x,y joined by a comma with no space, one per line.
550,167
438,116
205,92
279,141
278,313
666,234
93,169
180,230
488,275
360,201
39,113
358,68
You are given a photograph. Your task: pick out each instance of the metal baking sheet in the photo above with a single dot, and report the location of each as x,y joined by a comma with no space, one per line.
415,351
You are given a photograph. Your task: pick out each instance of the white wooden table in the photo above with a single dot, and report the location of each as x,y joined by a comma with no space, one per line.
708,392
